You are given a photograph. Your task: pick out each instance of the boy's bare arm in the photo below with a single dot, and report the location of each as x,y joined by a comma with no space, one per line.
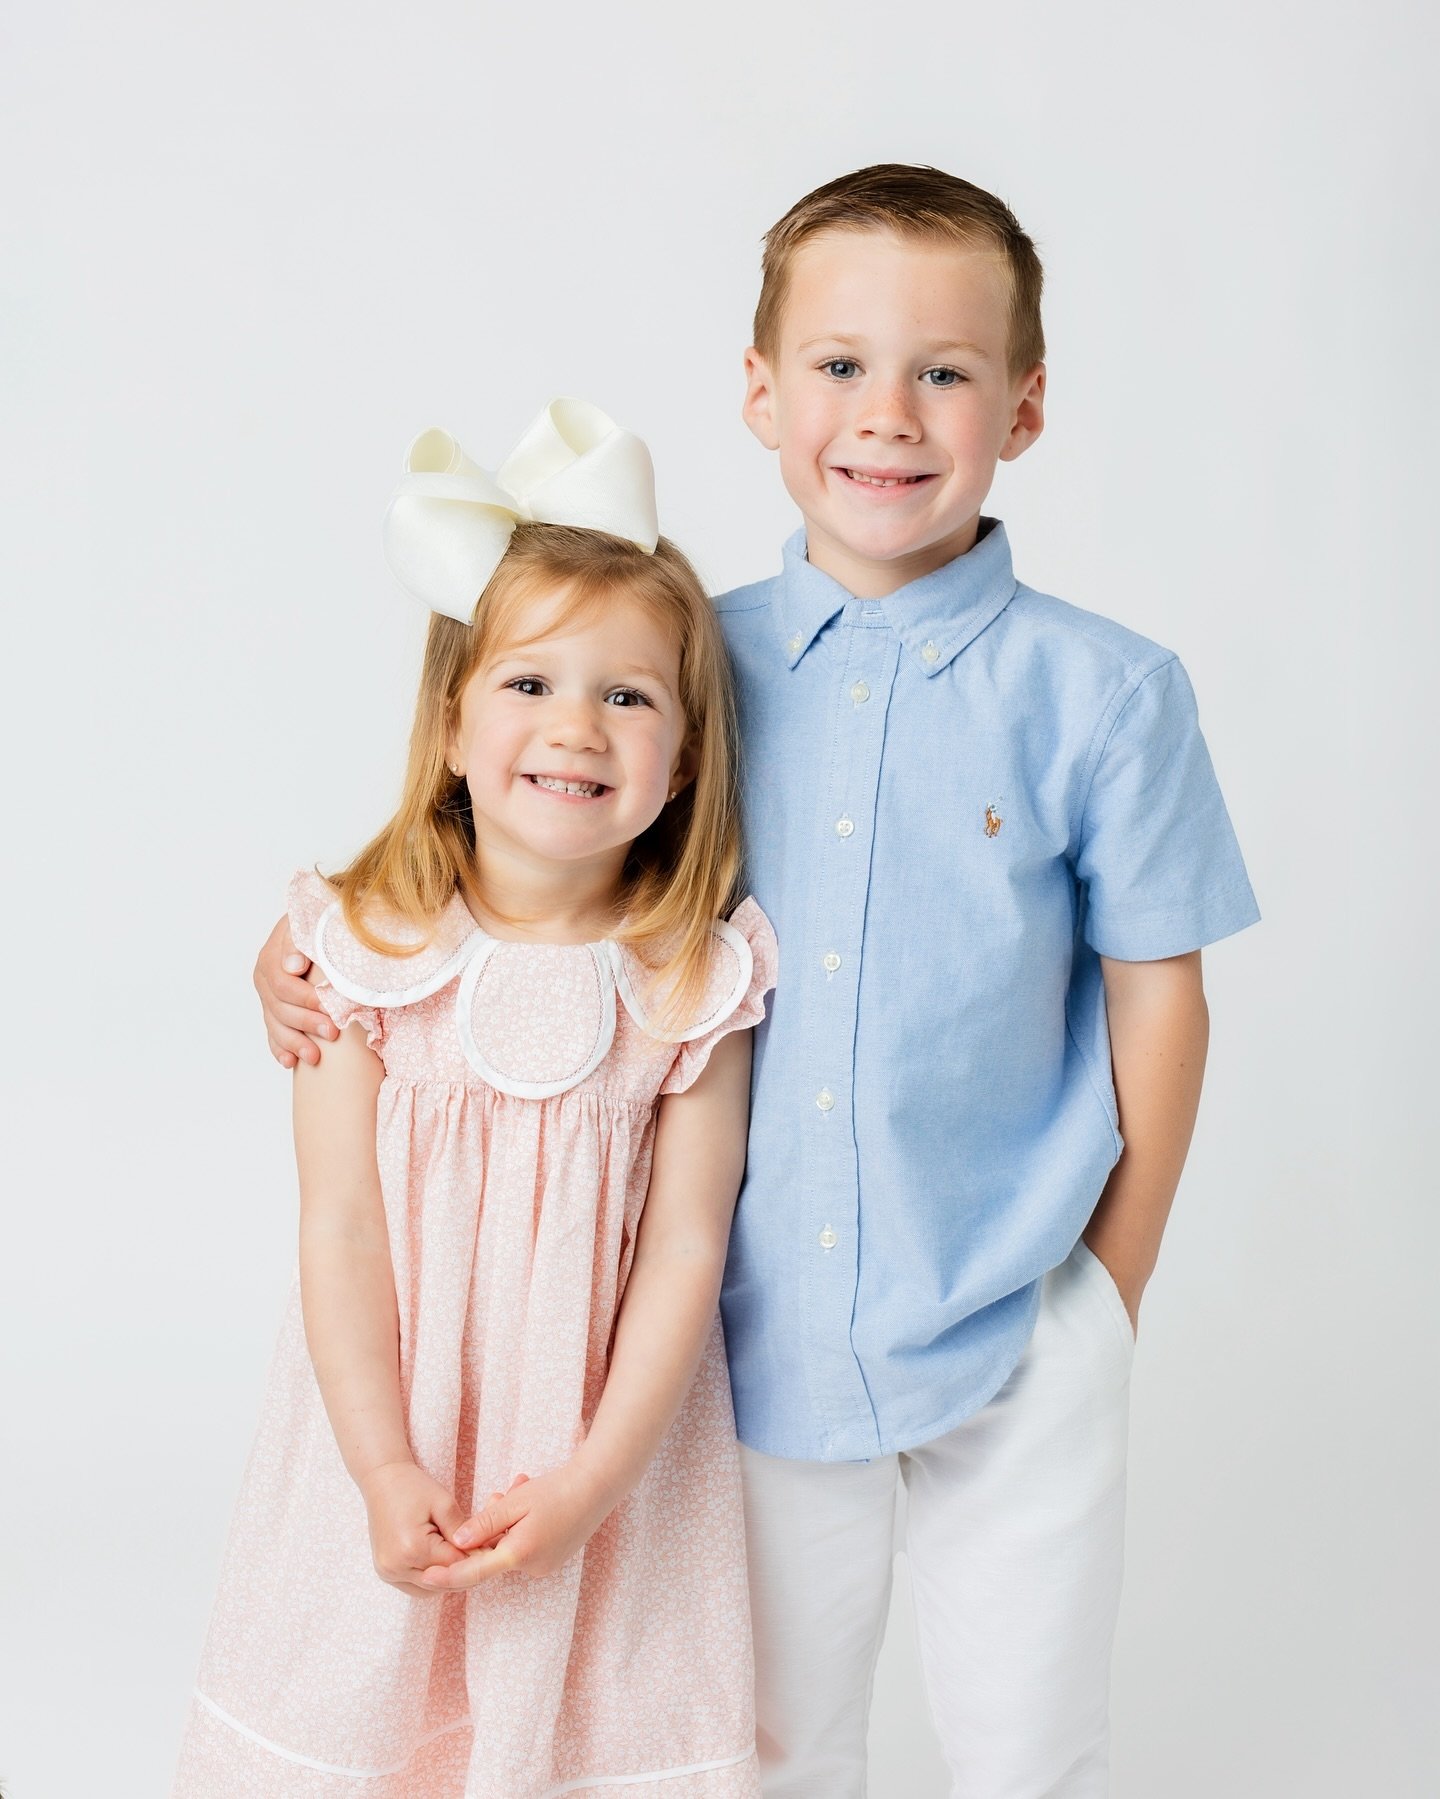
1159,1033
295,1023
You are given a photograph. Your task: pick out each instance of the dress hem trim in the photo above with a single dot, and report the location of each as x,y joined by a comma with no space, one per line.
551,1792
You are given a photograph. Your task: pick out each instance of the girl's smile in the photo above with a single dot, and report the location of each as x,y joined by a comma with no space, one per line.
569,787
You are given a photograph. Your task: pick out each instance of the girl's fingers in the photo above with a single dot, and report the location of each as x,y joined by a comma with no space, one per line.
489,1522
480,1564
444,1555
416,1592
447,1518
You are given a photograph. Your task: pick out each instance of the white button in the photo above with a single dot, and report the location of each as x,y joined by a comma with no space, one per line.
825,1099
796,644
844,827
828,1239
931,652
859,693
830,962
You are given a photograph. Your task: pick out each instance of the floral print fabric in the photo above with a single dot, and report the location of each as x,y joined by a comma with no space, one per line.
512,1224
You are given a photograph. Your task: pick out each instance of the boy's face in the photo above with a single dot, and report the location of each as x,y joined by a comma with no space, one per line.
890,400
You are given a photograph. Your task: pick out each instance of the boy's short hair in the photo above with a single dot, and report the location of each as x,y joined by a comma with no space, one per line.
915,202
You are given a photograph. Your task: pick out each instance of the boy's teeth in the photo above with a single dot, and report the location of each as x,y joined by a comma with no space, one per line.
882,481
590,788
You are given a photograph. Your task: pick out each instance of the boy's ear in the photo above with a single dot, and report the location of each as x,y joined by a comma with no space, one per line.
1028,419
758,407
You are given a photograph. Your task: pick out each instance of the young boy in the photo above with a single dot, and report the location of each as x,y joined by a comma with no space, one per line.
987,831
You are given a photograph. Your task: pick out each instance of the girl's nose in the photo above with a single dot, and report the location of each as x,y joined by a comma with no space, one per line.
575,725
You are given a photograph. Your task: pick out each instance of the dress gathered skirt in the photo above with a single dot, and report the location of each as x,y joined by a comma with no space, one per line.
514,1130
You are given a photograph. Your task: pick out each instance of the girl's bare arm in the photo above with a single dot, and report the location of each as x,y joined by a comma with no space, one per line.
347,1283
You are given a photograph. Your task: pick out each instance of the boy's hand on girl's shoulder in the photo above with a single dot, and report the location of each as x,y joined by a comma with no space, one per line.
413,1520
295,1021
534,1528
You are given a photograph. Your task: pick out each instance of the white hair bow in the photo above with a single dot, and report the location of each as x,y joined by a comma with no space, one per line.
449,523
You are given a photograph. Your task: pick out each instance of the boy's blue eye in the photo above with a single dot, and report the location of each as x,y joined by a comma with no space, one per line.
944,377
841,367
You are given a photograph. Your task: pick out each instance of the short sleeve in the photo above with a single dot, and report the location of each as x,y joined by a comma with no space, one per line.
306,899
1158,860
690,1058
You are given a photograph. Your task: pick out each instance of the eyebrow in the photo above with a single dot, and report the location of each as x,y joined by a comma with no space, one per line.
935,347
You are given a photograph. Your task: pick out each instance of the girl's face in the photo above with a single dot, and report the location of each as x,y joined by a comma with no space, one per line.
572,739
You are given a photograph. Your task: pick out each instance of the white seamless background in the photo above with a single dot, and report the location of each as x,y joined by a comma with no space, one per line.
251,250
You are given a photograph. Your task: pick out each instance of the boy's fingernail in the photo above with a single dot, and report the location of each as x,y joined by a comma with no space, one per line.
294,964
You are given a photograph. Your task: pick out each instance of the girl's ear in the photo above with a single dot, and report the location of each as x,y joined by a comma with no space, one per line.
452,742
687,766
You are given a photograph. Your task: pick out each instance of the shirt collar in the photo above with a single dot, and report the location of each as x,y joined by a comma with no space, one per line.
934,617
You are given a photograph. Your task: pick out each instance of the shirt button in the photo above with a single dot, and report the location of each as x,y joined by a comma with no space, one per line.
825,1099
828,1239
830,962
844,827
796,644
860,693
931,652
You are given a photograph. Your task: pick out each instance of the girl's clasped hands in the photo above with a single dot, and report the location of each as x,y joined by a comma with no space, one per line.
424,1544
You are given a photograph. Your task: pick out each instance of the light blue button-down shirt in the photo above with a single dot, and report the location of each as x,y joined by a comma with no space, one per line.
957,798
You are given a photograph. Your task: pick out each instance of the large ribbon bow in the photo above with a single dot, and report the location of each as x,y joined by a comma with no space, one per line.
449,523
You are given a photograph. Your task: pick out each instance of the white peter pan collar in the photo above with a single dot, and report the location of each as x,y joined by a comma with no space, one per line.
579,979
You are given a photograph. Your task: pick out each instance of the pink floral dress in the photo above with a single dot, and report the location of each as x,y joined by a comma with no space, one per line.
514,1132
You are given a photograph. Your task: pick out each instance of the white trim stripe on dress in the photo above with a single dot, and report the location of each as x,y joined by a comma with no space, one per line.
553,1792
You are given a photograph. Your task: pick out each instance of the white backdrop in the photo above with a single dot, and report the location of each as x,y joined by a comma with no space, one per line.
250,251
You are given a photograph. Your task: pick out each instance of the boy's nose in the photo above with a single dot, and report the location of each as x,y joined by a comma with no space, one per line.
888,410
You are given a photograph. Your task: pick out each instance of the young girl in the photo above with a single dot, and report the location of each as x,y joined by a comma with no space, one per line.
511,1564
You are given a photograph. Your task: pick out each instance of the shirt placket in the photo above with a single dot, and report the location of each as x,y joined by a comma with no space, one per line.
860,671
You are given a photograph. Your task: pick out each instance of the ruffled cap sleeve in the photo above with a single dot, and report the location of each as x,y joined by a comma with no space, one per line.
755,928
307,900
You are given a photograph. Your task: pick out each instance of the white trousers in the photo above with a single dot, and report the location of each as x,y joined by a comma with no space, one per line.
1015,1538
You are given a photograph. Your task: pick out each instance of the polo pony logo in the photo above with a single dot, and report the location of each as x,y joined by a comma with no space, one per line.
993,822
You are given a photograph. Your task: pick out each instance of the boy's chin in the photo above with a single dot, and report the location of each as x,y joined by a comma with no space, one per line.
876,544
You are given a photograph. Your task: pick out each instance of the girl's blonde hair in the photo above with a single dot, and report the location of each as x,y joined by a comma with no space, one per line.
681,873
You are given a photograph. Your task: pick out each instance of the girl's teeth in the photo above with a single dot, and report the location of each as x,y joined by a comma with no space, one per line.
589,788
